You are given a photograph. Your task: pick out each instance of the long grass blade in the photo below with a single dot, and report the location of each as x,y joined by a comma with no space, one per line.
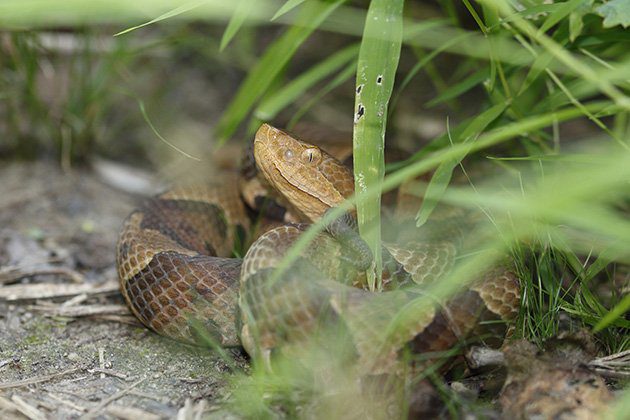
292,90
615,315
460,88
376,71
287,7
170,14
236,21
276,56
442,176
336,81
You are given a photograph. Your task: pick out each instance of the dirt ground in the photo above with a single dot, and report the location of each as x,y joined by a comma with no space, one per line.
68,345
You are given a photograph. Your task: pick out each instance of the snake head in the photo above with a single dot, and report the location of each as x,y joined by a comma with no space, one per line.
311,180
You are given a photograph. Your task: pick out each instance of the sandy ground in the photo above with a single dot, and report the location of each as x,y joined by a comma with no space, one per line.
68,346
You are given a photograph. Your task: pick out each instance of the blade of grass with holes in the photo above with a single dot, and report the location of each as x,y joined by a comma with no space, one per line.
276,56
376,70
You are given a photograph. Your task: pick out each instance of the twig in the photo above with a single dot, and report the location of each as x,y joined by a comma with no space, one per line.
615,366
94,411
131,413
68,403
144,395
79,311
24,382
190,380
11,274
75,300
478,357
123,319
27,409
104,371
16,407
101,360
201,407
186,412
53,290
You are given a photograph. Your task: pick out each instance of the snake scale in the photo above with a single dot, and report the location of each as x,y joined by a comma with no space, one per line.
179,278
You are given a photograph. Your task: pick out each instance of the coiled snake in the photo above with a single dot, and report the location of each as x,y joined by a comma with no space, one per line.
177,276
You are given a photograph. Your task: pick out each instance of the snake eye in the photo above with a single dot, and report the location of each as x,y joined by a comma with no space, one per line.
311,155
288,154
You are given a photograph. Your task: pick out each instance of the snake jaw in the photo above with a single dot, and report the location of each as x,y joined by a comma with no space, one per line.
309,179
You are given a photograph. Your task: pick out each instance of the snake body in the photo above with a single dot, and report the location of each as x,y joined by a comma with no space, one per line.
179,279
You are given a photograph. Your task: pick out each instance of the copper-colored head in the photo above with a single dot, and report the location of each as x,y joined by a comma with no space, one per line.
310,179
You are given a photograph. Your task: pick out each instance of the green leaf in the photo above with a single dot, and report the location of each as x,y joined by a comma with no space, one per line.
159,136
442,176
419,65
236,21
270,107
538,66
615,12
576,23
287,7
459,88
615,316
376,71
340,78
560,13
529,13
276,56
172,13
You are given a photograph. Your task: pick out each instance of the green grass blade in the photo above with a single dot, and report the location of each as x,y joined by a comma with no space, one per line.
560,13
172,13
442,176
275,103
376,71
236,21
287,7
460,88
340,78
417,67
538,67
159,136
615,316
276,56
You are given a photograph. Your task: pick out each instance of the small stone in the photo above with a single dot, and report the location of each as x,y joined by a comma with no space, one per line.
74,357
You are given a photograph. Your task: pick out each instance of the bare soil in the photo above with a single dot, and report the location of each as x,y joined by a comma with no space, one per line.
68,345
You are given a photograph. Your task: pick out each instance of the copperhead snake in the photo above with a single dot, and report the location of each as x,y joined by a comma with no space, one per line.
179,278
